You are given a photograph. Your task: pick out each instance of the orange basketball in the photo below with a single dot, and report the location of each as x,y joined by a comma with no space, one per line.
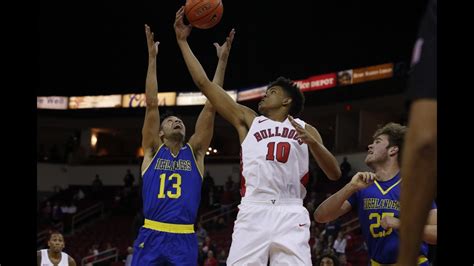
203,14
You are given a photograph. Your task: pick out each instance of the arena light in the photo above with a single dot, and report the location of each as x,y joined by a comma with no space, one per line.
93,140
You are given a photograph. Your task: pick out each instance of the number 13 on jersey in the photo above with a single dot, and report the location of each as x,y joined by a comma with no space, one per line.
176,179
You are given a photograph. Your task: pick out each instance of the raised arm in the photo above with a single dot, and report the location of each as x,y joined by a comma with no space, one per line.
150,137
204,130
323,157
238,115
338,204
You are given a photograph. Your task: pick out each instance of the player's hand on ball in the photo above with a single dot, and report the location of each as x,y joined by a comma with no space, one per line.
182,31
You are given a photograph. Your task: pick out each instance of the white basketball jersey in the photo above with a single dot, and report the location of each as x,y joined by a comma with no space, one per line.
46,262
274,162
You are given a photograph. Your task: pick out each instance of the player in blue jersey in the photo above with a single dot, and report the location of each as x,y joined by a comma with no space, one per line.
376,197
172,173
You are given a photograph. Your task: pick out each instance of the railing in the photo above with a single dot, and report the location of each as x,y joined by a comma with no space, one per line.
43,235
210,215
102,256
351,225
81,216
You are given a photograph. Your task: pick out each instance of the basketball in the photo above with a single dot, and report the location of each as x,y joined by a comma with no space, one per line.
203,14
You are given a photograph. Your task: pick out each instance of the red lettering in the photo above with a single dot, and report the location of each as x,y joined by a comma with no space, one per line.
291,134
257,136
270,134
276,132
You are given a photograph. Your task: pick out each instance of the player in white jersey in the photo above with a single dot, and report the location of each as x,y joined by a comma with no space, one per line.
272,222
53,256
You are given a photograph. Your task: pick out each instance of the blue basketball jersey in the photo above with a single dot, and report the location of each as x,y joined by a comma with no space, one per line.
373,203
172,187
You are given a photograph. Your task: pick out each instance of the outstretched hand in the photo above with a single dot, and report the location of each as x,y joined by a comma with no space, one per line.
224,49
301,132
150,41
182,31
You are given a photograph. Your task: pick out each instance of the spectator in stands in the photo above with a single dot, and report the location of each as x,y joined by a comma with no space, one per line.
343,260
128,261
317,248
69,148
328,249
340,243
128,181
222,257
227,198
201,233
331,228
97,183
345,168
57,214
221,224
210,261
46,213
91,257
229,184
209,245
79,195
207,187
106,252
137,223
72,208
108,246
310,207
95,249
97,187
64,208
328,260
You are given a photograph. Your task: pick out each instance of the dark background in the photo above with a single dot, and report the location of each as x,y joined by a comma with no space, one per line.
95,47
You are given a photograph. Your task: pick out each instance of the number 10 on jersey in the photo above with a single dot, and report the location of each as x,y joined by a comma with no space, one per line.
282,151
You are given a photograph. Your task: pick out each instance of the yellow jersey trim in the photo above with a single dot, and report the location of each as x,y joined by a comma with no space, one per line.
153,158
421,259
169,228
195,161
388,189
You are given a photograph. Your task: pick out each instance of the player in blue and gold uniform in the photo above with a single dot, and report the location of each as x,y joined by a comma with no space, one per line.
376,197
172,173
